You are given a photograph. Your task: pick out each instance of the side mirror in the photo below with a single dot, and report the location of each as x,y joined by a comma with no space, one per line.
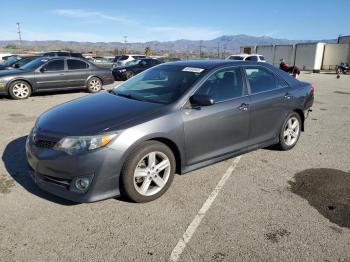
201,100
141,64
42,70
16,65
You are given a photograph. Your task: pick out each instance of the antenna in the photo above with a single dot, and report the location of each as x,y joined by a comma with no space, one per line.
18,25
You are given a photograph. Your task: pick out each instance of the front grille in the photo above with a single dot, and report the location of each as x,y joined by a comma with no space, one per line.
44,141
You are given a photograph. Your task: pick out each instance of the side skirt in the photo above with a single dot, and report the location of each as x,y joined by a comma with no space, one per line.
211,161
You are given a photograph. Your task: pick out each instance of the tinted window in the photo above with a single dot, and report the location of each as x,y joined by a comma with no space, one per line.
260,79
252,58
77,55
262,58
223,85
76,64
63,54
236,57
55,65
123,58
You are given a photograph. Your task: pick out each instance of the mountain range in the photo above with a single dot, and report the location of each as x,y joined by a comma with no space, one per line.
226,44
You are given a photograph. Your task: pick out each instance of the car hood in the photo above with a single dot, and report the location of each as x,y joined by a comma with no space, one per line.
94,114
11,72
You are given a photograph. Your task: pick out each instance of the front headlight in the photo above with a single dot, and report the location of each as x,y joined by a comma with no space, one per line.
77,144
122,70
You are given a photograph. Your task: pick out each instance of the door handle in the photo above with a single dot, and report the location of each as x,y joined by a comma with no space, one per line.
243,107
61,74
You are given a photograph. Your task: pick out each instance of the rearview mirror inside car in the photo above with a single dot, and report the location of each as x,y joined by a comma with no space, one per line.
201,100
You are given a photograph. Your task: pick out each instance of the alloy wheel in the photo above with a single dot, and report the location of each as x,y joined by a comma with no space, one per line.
20,90
291,131
95,85
152,173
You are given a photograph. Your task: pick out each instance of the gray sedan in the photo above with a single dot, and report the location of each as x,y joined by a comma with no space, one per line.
172,118
53,73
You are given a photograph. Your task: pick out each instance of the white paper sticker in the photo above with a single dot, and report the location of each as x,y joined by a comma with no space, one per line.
193,69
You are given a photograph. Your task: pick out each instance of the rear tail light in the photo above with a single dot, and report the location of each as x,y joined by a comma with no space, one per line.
312,90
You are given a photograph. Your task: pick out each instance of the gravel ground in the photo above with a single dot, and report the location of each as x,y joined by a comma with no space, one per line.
276,206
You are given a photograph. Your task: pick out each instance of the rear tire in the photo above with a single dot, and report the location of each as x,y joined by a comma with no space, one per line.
94,85
20,90
148,172
290,132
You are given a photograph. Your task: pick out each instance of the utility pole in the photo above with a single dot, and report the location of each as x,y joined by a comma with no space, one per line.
125,43
19,33
200,48
219,50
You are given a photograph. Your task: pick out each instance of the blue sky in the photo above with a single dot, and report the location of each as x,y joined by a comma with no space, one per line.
163,20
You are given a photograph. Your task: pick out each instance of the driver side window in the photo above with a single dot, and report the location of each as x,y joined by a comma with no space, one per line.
223,85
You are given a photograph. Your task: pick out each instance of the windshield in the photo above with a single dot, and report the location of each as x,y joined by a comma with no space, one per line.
162,84
24,61
10,61
133,62
32,65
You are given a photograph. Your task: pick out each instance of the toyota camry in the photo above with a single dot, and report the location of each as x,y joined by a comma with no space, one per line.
167,120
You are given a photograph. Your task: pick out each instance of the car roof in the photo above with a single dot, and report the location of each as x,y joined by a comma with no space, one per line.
210,64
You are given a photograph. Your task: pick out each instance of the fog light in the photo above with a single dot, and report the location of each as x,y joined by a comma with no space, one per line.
82,183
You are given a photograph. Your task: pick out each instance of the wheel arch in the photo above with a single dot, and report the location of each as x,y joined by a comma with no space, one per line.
19,79
164,140
174,148
91,76
302,117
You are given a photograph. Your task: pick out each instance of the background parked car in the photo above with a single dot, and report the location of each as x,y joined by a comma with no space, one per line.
133,68
63,53
246,57
124,59
102,61
16,62
53,73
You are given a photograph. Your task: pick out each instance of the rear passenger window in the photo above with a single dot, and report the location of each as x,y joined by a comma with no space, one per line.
260,80
223,85
252,58
76,64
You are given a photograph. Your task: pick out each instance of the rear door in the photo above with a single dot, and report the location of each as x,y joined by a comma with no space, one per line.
77,72
51,75
269,101
212,131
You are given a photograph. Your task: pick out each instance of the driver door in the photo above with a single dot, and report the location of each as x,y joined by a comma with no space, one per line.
221,128
51,75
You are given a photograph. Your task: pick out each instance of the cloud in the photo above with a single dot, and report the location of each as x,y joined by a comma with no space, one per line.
190,33
81,13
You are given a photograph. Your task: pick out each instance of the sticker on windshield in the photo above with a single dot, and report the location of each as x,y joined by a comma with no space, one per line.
193,69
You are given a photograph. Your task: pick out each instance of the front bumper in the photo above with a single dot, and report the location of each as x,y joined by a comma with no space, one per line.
55,171
3,88
119,76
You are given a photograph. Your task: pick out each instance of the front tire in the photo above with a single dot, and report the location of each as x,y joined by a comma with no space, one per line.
290,132
148,172
20,90
94,85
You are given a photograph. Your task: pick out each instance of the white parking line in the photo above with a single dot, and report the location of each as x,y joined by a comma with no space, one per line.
191,229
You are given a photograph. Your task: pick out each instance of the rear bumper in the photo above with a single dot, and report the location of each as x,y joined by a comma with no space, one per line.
55,172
